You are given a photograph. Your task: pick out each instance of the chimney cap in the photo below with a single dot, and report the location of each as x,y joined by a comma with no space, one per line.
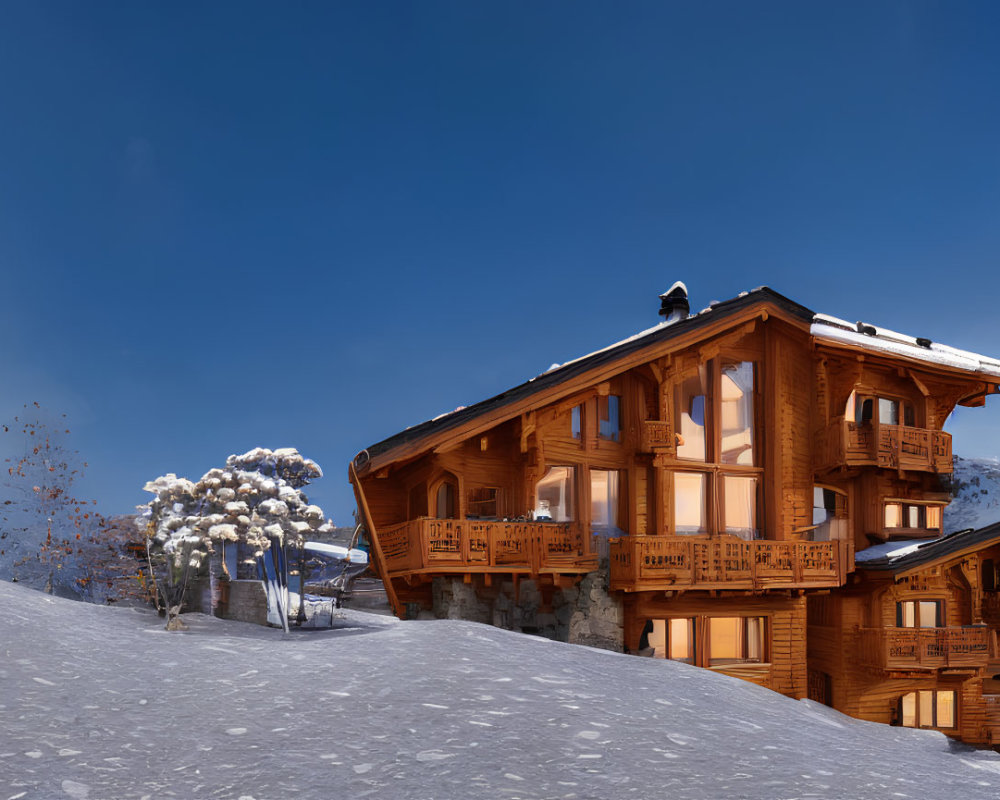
677,290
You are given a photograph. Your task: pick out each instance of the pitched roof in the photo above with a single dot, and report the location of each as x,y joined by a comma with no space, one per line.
571,369
826,329
905,557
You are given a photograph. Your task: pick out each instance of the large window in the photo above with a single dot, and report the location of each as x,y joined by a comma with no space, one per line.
927,709
919,614
555,495
605,491
728,640
690,502
715,414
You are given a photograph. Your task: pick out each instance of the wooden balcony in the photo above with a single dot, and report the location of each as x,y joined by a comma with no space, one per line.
925,648
653,563
450,545
846,443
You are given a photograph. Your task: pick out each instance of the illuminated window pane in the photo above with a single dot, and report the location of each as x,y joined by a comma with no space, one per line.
554,495
690,502
893,515
724,639
735,640
737,413
929,612
945,710
925,709
906,616
909,707
604,491
913,517
681,640
934,517
691,401
849,408
741,506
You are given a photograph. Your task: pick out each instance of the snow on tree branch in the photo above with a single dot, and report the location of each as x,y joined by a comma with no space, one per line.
256,500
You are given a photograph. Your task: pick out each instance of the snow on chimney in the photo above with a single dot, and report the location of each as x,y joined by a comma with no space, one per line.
674,303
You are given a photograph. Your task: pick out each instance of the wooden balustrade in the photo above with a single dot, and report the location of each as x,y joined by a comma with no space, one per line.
452,545
849,443
643,563
907,648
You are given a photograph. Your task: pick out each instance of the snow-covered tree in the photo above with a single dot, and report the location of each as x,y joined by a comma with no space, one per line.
256,500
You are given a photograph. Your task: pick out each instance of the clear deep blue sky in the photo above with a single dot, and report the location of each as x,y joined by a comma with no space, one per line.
314,224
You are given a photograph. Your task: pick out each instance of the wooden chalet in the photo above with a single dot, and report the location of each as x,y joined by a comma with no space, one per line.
694,493
912,639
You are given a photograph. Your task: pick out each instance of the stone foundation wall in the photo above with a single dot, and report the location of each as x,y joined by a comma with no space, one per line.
247,602
581,614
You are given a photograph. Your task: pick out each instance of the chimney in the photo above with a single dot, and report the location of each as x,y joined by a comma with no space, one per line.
674,303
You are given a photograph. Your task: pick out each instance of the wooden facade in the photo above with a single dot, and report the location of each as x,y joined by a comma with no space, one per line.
721,471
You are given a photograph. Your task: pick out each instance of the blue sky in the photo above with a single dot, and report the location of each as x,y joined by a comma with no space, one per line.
314,224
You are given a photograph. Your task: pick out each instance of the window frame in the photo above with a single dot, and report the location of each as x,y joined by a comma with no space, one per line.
716,470
917,713
939,613
700,637
905,530
854,408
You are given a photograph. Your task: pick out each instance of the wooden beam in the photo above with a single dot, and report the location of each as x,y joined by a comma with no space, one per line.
383,572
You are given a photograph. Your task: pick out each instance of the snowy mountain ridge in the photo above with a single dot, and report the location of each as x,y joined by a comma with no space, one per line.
101,703
975,487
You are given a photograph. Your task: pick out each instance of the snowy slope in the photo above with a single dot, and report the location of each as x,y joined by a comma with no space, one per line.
976,487
102,703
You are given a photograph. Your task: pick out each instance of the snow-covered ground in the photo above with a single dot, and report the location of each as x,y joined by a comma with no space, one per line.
103,703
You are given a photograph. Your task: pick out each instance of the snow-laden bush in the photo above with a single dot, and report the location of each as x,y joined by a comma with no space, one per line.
255,500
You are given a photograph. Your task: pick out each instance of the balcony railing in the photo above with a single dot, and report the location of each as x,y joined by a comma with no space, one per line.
926,648
650,563
450,545
849,443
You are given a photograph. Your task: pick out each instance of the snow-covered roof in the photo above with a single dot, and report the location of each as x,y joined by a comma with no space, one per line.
887,342
905,556
887,550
